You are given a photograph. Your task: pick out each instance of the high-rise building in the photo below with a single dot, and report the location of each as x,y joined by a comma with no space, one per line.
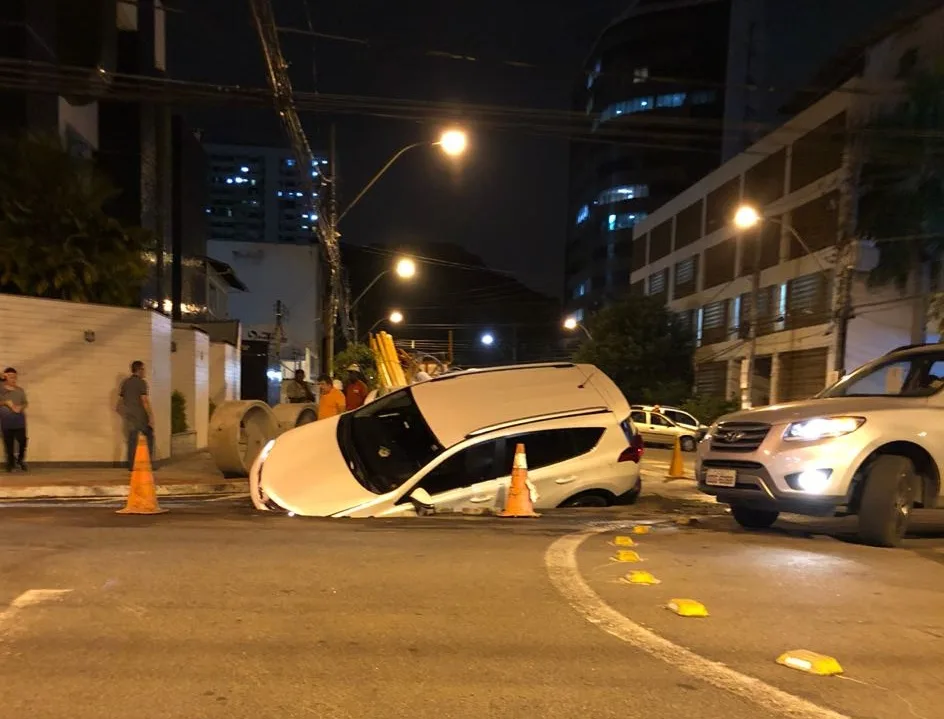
255,195
652,90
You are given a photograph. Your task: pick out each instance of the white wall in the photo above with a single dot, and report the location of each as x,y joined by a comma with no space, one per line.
190,372
881,322
72,383
224,372
273,272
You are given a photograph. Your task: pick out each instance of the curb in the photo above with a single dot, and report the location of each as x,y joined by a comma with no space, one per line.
58,491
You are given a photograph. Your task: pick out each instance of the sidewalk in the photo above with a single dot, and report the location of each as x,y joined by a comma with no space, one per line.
193,475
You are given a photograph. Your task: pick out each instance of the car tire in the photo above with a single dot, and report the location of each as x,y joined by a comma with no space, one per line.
887,500
687,444
587,499
751,518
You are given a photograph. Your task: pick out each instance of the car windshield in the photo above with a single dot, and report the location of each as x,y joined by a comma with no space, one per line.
920,375
386,442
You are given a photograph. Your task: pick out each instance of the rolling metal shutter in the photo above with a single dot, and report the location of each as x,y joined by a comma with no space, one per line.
802,374
711,379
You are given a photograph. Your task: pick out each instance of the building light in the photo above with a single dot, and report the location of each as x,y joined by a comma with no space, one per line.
298,194
244,169
290,162
229,180
582,214
279,193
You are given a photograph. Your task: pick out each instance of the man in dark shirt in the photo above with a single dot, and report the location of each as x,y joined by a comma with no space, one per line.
13,420
134,406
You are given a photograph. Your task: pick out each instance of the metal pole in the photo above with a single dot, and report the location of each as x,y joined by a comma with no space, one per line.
333,289
379,174
747,393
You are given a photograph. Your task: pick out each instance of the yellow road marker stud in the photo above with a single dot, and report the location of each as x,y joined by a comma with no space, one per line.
810,662
626,555
623,542
643,578
687,608
641,529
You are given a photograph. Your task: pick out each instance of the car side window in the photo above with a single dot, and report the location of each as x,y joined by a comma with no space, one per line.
660,421
552,446
478,463
638,417
681,417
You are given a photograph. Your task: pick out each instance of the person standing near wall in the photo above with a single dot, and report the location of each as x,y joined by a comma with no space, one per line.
13,420
297,390
355,390
134,406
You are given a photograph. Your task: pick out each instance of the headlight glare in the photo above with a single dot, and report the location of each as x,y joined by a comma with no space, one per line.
810,430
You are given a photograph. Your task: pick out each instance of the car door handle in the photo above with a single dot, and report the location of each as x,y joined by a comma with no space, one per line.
566,480
478,499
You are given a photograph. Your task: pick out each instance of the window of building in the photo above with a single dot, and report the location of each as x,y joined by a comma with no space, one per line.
640,74
688,225
817,222
818,153
581,289
660,241
579,315
704,97
657,282
722,204
639,253
686,277
719,263
627,107
764,182
583,214
715,322
620,193
622,220
676,99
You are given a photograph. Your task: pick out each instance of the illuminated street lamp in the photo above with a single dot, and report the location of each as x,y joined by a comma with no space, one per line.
395,317
452,142
571,323
488,339
405,268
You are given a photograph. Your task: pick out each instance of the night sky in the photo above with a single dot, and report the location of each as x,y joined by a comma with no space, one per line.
507,199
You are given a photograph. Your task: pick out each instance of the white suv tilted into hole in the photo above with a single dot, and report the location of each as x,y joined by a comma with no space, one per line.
871,445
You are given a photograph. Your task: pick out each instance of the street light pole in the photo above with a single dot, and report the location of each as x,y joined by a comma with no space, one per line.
380,174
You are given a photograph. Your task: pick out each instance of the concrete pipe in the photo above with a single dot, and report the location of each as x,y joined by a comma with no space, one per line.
238,432
289,415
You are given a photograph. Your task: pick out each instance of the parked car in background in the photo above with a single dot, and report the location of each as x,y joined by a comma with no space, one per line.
447,444
656,428
679,416
871,445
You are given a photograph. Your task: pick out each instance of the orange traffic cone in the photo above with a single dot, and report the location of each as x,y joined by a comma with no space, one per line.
676,466
518,502
142,499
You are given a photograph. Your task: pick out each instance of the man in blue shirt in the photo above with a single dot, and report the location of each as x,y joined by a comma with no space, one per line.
13,420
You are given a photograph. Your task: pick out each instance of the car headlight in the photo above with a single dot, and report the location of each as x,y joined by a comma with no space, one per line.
822,428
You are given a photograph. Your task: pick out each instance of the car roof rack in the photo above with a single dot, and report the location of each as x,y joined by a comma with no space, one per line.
583,412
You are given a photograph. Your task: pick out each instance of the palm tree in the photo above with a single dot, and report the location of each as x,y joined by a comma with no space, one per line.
57,240
901,192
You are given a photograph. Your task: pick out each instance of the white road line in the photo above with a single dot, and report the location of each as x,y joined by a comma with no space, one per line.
561,562
28,598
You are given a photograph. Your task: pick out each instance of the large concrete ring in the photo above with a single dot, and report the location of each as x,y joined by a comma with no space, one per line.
238,432
289,415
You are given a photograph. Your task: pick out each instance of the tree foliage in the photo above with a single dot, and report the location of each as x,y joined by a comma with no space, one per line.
58,242
643,348
902,181
361,355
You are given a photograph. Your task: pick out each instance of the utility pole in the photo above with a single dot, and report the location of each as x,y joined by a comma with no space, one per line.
278,331
846,250
747,388
450,356
332,289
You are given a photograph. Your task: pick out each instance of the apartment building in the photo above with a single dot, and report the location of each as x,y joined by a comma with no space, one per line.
800,179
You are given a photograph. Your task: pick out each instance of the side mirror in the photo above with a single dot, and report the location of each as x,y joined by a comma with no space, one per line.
421,501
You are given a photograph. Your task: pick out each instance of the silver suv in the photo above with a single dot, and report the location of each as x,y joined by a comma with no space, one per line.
871,445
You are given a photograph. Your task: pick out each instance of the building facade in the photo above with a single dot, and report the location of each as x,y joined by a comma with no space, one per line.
801,180
255,195
650,135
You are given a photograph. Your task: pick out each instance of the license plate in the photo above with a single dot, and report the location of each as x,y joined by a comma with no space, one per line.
721,477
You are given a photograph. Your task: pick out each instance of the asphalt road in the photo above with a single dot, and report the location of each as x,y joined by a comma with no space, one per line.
212,610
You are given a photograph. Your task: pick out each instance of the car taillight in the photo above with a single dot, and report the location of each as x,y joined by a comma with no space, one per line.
633,453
